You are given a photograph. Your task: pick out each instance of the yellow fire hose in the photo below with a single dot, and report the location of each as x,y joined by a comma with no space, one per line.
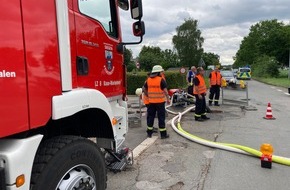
224,146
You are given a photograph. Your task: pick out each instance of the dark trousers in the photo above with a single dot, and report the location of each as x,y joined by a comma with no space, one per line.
214,95
190,90
151,112
200,106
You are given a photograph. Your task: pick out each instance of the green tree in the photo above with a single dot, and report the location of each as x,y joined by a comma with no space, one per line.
150,56
210,58
265,66
283,56
270,37
127,56
188,42
170,59
128,59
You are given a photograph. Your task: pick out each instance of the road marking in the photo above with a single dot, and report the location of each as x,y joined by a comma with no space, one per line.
143,146
279,90
168,122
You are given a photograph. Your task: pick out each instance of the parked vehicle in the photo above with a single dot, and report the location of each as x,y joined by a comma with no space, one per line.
229,77
235,71
244,73
63,80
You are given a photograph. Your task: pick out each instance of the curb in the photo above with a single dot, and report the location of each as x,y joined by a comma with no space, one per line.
143,146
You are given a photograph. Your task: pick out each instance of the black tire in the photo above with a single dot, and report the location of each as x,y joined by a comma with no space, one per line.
67,160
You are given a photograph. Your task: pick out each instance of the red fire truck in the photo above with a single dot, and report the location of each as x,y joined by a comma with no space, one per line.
63,81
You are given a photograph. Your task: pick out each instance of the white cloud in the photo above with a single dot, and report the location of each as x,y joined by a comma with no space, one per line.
224,23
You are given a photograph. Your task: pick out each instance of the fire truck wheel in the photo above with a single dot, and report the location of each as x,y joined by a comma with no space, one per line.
68,162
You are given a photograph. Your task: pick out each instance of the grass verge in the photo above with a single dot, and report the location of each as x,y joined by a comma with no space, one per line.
282,82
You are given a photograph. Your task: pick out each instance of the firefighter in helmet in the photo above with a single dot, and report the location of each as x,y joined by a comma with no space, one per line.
199,92
156,89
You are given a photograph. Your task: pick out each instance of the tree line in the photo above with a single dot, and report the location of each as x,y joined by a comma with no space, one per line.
187,51
265,49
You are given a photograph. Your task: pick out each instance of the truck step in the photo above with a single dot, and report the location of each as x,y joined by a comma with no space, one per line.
118,166
119,161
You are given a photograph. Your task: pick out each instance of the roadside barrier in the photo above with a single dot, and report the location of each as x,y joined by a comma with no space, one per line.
242,86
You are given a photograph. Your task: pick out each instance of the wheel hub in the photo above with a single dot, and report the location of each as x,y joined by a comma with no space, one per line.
78,178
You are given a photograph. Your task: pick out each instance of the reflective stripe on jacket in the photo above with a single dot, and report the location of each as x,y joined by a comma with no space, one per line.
145,99
155,94
215,78
201,86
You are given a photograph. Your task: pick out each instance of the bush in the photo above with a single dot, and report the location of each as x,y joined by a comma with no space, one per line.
265,66
283,73
131,66
136,80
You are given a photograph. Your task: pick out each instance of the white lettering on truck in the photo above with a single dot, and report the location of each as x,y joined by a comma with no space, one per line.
7,74
112,83
108,83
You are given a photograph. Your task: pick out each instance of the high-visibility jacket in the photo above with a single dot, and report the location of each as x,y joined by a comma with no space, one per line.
145,99
155,94
201,86
215,78
163,76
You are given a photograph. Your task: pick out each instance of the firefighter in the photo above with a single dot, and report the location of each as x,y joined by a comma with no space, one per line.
199,92
144,96
146,101
189,77
163,75
215,84
156,89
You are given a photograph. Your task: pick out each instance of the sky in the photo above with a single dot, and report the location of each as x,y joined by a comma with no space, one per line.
223,23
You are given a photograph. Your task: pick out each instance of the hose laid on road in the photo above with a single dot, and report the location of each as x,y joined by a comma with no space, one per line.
224,146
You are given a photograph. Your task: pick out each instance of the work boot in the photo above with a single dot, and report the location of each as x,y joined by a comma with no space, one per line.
205,117
199,119
149,135
165,137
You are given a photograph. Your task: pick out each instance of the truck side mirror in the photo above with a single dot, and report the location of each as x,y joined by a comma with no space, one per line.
136,9
123,4
138,28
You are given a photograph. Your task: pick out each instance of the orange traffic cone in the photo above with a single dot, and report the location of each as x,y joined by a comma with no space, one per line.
269,113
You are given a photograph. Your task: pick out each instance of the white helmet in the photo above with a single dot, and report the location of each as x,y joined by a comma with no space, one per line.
157,69
138,91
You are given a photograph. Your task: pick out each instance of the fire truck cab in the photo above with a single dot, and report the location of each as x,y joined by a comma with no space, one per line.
63,81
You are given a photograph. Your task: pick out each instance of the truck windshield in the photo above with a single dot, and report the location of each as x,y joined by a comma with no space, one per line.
103,11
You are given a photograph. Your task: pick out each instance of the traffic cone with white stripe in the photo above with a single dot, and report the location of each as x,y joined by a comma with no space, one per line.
269,114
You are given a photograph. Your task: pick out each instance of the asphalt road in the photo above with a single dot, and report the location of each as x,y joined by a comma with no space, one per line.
177,163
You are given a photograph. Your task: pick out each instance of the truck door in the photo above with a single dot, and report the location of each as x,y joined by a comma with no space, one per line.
99,65
13,86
